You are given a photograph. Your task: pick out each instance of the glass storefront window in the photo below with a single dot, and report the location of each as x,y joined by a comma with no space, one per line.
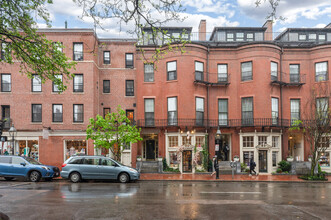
325,159
173,141
173,160
262,140
274,141
185,140
274,158
199,141
29,149
75,147
248,141
247,157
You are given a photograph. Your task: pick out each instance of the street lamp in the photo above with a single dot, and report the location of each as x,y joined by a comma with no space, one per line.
218,134
217,150
12,133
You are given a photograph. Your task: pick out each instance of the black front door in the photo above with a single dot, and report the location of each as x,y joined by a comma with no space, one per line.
263,162
187,161
150,149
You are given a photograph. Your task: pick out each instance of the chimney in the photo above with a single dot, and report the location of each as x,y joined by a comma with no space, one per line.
65,24
202,30
268,33
328,26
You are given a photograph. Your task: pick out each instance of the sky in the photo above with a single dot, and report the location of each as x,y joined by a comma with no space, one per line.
220,13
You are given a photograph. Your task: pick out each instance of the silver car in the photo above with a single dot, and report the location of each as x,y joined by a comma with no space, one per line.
77,168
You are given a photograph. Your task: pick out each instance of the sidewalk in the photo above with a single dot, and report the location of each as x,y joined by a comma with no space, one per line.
236,178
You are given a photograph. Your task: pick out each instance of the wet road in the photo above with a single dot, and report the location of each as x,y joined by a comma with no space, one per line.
165,200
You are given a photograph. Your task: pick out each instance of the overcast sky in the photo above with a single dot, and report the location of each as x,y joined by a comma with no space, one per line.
227,13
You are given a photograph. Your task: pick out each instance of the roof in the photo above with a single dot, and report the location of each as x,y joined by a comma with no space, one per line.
237,29
288,30
89,30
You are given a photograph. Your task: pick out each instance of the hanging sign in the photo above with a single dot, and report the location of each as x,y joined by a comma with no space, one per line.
217,147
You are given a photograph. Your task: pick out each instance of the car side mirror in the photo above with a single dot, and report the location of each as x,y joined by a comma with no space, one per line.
23,164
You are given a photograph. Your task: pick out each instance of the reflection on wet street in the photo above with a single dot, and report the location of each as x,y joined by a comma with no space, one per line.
165,200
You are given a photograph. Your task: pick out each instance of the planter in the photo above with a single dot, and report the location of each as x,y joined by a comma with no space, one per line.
235,159
309,159
159,159
138,159
289,159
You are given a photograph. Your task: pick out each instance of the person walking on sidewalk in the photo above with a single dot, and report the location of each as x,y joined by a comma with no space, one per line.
252,166
215,167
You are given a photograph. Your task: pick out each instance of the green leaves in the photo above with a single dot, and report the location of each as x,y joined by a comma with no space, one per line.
113,132
23,44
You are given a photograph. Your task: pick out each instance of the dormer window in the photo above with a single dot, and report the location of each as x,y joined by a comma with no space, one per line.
175,36
229,37
312,37
239,36
302,37
321,37
250,37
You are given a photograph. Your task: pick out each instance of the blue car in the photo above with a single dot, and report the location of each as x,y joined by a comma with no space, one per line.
77,168
15,166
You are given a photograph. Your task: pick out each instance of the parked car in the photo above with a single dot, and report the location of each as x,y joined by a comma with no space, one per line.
16,166
77,168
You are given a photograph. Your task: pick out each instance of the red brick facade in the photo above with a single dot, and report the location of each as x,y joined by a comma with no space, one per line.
263,136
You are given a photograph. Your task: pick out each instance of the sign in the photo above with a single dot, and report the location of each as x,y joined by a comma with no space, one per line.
217,147
45,133
3,138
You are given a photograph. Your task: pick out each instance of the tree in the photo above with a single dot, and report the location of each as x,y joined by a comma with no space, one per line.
113,132
21,42
142,14
316,123
273,5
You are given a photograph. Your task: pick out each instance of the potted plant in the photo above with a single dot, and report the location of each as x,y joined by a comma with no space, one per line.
236,158
289,158
310,157
138,158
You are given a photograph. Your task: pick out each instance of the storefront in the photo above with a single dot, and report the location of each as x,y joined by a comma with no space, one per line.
184,151
263,147
296,146
324,160
29,148
74,147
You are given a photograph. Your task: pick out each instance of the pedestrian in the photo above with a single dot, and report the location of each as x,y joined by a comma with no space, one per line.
216,167
214,170
252,166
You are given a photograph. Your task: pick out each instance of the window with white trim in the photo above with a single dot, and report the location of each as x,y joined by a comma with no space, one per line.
274,110
222,72
321,71
246,71
198,71
199,109
222,111
172,70
172,111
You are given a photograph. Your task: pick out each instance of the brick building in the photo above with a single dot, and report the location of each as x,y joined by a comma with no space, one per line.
239,80
236,79
50,125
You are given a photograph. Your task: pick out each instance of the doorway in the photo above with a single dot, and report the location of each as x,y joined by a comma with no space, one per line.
187,161
150,149
263,161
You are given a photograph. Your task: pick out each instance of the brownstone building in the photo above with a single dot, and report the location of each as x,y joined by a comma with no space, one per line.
239,80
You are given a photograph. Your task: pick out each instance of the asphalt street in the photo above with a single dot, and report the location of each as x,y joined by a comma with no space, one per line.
165,200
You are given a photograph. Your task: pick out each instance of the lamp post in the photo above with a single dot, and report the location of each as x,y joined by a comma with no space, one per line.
12,133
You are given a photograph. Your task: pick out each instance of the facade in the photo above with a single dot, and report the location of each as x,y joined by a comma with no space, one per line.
51,126
238,80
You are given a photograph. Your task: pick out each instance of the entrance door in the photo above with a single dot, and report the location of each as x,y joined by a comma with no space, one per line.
187,161
263,162
150,149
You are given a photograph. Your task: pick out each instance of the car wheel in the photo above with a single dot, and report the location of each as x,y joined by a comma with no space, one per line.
34,176
123,178
9,178
75,177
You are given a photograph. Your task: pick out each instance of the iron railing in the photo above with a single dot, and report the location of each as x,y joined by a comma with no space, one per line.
251,122
288,79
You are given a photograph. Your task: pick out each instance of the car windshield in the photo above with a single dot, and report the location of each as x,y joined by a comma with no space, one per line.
32,161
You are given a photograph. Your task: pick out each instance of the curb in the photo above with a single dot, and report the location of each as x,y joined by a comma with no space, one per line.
237,181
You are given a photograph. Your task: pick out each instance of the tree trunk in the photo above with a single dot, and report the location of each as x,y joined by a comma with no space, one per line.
313,165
